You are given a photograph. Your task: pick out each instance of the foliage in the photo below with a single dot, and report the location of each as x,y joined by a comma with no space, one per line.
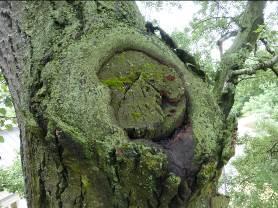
266,102
256,184
207,26
182,39
159,5
211,21
7,114
215,19
262,89
11,178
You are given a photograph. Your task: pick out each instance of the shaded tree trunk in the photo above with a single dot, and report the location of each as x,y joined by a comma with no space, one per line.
108,114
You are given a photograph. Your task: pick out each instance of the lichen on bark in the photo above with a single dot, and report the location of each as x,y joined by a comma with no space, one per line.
77,111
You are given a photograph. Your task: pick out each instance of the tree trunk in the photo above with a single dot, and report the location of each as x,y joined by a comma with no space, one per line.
108,114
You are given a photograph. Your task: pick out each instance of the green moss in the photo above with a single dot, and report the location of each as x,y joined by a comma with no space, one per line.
136,115
120,82
85,181
220,201
170,190
201,198
207,172
116,84
155,75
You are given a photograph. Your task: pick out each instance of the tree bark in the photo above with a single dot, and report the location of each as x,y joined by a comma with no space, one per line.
108,114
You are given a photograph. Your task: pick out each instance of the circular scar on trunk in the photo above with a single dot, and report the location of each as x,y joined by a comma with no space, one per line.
148,97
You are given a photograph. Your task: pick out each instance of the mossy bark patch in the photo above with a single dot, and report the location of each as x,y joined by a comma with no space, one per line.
148,97
75,150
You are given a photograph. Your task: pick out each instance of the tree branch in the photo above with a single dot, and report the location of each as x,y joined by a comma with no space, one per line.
269,50
273,149
233,19
7,117
224,38
261,66
242,79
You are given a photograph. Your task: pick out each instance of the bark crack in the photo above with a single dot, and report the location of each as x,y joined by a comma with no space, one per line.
82,195
42,197
7,15
80,200
63,172
13,53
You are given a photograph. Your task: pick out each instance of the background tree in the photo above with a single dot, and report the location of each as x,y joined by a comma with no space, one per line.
255,184
108,114
12,179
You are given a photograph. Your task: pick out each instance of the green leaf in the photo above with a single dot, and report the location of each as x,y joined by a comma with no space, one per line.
1,139
259,29
9,126
8,102
3,111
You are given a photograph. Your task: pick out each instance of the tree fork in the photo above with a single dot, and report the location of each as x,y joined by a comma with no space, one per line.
234,58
